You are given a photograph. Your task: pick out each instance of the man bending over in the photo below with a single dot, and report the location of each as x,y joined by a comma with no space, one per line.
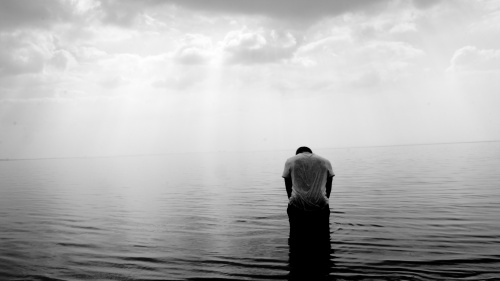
308,180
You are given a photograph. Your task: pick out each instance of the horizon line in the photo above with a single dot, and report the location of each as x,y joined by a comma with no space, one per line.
225,151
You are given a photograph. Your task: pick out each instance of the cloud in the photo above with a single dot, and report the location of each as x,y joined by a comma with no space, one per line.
194,49
113,82
43,14
26,59
344,47
328,47
367,79
403,27
490,19
87,54
29,85
282,8
22,53
423,4
129,64
382,62
182,78
62,59
123,12
342,63
247,47
29,51
391,50
175,82
470,58
14,13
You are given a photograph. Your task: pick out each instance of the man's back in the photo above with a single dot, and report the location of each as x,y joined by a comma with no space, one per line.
309,174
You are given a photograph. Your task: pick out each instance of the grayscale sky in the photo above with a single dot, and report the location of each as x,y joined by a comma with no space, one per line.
103,77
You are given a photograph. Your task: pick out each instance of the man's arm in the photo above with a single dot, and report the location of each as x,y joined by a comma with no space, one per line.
288,185
329,180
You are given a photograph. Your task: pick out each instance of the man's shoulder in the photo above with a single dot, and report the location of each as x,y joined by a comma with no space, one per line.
289,161
323,159
293,158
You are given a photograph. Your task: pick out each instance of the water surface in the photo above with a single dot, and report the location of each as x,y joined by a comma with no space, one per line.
397,213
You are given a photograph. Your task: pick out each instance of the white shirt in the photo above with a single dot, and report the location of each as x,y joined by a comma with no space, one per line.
309,173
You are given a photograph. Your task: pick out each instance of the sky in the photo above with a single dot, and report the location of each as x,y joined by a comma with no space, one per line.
105,77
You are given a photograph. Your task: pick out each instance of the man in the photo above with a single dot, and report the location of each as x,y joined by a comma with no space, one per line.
308,180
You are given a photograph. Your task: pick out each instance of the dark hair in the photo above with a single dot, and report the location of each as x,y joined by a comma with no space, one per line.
303,149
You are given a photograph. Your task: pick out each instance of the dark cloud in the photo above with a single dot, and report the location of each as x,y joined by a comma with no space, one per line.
294,12
124,11
18,55
281,8
423,4
26,13
31,13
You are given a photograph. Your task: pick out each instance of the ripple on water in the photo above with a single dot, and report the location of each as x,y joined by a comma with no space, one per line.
398,213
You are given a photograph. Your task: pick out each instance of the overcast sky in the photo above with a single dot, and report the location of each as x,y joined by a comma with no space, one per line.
103,77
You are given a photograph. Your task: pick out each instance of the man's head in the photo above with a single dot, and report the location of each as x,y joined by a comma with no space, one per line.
303,149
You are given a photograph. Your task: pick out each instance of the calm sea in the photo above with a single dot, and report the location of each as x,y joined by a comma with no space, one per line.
429,212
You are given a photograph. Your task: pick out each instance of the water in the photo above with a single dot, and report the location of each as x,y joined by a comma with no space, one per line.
398,213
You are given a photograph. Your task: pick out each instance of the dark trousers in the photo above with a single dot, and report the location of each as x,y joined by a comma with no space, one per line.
309,222
310,249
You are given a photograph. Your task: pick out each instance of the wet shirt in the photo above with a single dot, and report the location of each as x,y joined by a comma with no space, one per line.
309,174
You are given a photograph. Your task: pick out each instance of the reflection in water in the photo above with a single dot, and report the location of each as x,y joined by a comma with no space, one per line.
309,245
